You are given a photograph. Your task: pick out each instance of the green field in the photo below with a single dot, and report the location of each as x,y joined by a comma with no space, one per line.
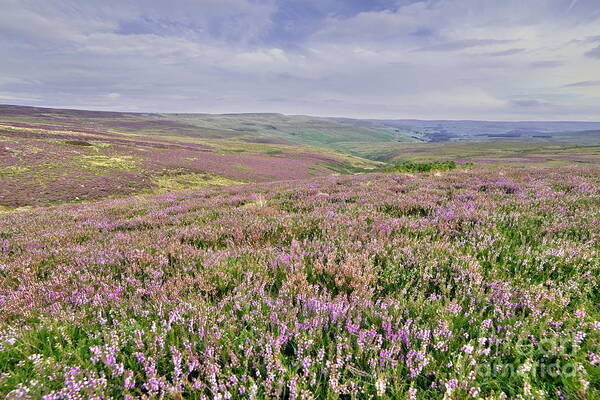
493,153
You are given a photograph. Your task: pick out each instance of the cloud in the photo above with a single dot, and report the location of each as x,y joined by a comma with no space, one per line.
463,44
508,52
528,103
382,58
583,84
594,53
546,64
7,97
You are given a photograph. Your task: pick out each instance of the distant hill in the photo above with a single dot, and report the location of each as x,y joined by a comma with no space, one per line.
49,155
572,132
308,130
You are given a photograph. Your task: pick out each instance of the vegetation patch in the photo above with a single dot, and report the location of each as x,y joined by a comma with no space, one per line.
4,208
411,166
175,181
481,285
243,168
13,170
347,168
103,162
78,143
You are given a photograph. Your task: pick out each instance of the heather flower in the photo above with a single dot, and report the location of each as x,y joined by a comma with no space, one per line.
390,285
412,393
380,386
467,349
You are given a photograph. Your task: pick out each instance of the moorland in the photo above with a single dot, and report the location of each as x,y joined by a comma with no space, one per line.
255,256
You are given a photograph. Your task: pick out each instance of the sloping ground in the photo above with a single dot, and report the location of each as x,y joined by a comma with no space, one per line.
297,128
311,130
43,164
482,154
468,284
50,155
262,128
106,121
568,132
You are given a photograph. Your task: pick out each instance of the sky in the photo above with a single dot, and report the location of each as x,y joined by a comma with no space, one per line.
428,59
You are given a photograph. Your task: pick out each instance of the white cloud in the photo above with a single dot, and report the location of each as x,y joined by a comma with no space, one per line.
429,59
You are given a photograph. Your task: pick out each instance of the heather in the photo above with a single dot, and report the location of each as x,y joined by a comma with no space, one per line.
44,164
54,156
448,285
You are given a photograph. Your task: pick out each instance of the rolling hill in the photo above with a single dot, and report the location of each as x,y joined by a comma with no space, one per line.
49,156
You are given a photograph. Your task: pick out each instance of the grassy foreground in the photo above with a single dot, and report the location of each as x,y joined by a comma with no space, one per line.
453,285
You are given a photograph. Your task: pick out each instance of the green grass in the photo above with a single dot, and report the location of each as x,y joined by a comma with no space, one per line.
100,163
411,166
502,153
176,181
13,170
296,129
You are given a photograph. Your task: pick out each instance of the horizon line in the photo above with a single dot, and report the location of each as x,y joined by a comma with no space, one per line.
73,108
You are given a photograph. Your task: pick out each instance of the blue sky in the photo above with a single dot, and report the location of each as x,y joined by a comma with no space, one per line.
430,59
